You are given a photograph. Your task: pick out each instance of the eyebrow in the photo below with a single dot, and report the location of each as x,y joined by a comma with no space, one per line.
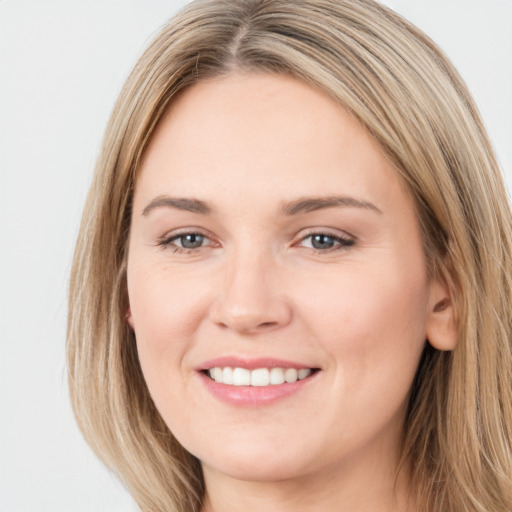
186,204
311,204
297,207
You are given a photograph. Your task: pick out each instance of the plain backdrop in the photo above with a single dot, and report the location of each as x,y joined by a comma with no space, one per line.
62,63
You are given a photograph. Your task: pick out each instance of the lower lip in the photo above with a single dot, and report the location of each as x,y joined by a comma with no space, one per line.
254,396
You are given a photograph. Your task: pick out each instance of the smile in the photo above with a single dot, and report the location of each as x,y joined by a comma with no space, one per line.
258,377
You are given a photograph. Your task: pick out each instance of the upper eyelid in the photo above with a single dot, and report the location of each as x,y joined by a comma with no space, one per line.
343,241
167,241
335,233
309,231
170,235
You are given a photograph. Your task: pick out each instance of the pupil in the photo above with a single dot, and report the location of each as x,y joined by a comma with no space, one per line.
322,242
191,241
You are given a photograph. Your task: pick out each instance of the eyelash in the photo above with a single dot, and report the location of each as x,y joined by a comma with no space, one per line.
341,241
167,242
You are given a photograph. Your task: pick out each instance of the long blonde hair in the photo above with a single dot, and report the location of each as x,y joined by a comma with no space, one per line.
402,88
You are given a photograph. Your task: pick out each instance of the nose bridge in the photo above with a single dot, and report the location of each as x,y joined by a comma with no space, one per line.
251,299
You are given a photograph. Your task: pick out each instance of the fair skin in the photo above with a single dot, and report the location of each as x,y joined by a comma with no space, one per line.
248,271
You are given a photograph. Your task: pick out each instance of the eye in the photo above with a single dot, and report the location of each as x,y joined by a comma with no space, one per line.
326,242
190,241
185,242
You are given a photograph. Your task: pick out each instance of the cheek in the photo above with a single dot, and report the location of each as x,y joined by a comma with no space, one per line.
369,321
166,312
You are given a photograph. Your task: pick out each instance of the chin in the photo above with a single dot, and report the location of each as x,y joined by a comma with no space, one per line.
261,468
255,458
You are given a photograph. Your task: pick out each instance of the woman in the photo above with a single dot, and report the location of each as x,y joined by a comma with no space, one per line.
292,286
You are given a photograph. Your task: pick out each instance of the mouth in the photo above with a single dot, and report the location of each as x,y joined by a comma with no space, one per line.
255,382
258,377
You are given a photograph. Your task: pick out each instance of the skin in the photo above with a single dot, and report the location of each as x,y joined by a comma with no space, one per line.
258,286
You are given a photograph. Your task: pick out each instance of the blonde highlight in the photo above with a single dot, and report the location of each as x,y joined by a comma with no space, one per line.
372,62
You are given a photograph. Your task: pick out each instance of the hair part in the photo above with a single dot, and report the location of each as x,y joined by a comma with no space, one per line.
373,63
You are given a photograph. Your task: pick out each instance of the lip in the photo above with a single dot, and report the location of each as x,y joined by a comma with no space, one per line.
250,363
253,396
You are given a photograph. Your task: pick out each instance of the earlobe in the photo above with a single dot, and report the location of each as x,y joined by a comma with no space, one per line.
441,328
128,317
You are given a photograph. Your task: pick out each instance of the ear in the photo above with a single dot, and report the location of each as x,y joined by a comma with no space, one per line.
441,327
128,317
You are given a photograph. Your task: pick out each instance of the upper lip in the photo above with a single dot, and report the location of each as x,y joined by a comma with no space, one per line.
251,363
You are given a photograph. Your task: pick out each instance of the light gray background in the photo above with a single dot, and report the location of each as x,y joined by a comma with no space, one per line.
62,64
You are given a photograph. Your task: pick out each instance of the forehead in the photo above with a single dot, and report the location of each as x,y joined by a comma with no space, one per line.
273,136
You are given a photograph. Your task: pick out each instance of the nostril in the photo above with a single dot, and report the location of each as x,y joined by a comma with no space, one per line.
249,312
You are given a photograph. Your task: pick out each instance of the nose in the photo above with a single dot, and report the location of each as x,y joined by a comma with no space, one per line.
252,298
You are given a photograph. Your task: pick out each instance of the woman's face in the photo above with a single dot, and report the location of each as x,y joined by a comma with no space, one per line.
271,240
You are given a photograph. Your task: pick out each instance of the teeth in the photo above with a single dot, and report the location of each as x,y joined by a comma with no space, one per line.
303,373
291,375
259,377
241,377
217,374
276,376
227,376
